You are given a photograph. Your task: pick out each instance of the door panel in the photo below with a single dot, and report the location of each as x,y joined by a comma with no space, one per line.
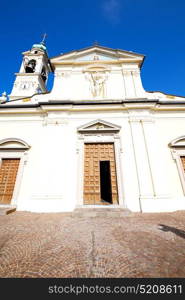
8,174
93,154
183,162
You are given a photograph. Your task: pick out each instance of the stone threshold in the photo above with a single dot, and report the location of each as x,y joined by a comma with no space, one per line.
101,211
7,209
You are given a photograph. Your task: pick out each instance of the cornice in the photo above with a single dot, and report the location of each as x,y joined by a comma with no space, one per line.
82,63
28,74
33,54
92,105
43,110
98,48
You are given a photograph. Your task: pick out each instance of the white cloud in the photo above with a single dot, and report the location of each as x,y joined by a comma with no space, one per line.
111,10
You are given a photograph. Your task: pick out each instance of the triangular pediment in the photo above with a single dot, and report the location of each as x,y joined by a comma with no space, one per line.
97,53
99,126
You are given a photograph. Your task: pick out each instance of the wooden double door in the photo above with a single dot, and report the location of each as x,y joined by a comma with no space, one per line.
100,182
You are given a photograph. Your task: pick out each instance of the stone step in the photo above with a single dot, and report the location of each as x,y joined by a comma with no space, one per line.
7,210
101,212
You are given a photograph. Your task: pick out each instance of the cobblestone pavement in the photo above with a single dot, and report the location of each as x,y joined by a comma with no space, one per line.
61,245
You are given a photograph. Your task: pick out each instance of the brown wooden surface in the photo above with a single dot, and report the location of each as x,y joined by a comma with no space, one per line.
93,154
183,162
8,173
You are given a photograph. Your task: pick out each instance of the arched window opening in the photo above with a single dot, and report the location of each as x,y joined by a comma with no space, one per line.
30,66
43,74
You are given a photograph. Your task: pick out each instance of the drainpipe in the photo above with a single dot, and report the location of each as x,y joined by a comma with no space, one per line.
137,172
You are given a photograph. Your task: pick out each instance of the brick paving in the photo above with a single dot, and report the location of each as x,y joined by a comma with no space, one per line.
65,245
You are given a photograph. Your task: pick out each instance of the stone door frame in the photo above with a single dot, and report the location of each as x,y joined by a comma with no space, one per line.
23,158
109,156
11,148
177,154
99,137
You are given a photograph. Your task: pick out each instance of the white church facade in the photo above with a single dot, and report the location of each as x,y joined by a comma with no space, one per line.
97,139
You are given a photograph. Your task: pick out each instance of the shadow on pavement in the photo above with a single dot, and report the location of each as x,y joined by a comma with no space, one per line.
178,232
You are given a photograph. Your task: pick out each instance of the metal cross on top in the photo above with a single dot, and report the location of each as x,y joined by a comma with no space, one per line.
44,38
95,43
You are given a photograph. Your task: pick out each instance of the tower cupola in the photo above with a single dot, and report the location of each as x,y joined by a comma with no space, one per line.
41,46
33,74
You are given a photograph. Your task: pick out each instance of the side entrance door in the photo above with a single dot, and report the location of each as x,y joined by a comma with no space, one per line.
8,174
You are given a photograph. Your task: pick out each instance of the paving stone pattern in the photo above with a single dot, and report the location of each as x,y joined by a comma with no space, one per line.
69,245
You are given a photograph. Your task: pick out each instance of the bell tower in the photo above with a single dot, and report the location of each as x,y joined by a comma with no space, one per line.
33,75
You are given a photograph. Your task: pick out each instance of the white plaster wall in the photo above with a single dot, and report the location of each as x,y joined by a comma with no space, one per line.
50,177
171,197
167,132
129,171
115,85
47,174
122,82
30,83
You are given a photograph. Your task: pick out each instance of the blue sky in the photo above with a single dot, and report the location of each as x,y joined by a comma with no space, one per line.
155,28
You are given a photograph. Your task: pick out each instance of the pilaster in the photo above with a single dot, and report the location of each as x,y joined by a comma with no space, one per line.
141,159
129,84
140,92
